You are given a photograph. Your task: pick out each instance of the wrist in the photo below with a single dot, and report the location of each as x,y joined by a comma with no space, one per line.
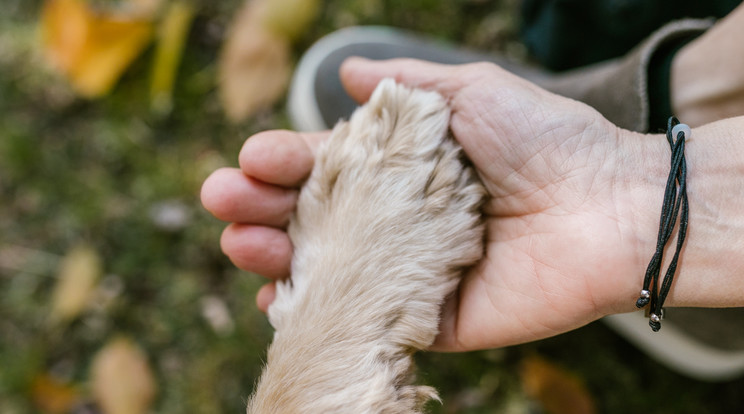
711,263
640,174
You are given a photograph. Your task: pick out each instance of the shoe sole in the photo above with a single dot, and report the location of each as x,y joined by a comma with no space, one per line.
678,351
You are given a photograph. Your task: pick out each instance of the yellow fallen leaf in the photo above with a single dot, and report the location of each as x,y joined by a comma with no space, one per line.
64,25
289,18
121,379
92,49
254,66
53,396
557,390
77,276
172,35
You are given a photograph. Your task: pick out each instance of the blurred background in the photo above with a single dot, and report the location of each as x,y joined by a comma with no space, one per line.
114,295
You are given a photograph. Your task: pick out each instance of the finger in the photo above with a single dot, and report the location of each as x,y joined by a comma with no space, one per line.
232,196
266,296
282,158
483,97
360,76
263,250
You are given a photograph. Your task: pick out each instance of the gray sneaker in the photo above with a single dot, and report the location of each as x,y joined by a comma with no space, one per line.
706,344
701,343
317,100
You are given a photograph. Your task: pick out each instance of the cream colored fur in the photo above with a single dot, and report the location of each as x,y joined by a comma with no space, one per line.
387,221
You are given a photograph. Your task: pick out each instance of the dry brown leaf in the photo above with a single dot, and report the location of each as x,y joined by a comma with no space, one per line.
254,66
92,49
557,390
121,379
53,396
77,276
145,8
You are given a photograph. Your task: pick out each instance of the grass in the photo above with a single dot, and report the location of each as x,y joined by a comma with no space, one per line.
74,171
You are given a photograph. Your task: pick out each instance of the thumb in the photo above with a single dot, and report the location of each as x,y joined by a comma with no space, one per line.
360,76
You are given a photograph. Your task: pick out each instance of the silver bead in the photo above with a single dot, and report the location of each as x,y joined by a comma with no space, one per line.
645,294
655,318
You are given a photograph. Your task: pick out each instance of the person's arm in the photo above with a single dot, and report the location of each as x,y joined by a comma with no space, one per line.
707,75
576,205
711,267
573,213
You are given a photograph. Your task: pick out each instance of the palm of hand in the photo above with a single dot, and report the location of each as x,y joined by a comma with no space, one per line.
552,221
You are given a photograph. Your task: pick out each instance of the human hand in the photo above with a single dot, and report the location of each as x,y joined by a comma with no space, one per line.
258,199
560,250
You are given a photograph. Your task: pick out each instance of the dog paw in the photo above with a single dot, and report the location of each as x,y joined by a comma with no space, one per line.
391,204
384,226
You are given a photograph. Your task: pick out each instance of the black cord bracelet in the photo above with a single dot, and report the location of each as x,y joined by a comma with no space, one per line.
675,204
